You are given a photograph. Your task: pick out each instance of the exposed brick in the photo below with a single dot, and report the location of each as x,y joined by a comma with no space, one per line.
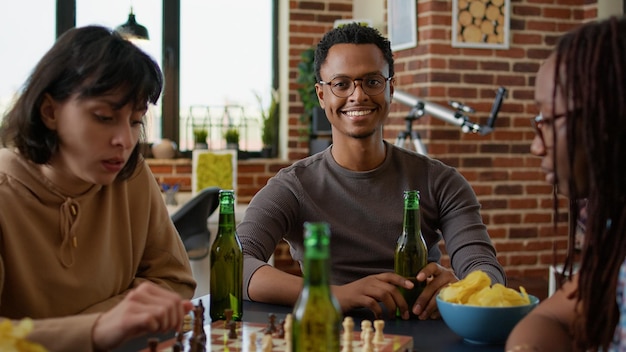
161,169
488,204
457,64
527,38
496,149
311,5
526,67
495,66
476,162
522,233
493,175
526,11
557,12
445,77
182,169
509,189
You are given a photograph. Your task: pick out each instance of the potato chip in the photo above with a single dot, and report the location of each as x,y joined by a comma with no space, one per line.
13,337
476,290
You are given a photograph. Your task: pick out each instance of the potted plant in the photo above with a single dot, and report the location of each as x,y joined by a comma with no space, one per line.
269,118
318,128
200,135
232,138
306,80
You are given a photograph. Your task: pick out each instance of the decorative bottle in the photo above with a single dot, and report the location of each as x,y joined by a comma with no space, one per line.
317,315
411,252
226,263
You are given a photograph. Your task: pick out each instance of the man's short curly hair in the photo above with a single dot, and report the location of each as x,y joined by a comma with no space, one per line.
352,33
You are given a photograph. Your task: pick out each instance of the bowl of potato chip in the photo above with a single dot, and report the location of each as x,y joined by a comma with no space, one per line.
482,313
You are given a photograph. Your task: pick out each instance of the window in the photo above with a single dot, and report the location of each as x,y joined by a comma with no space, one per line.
113,13
24,40
225,62
222,67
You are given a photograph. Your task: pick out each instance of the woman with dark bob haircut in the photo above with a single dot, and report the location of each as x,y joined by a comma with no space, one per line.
87,248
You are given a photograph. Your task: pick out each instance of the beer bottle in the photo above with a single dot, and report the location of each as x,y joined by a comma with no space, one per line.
411,252
317,316
226,263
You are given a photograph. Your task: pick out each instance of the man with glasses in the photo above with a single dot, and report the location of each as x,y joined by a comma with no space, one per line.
356,185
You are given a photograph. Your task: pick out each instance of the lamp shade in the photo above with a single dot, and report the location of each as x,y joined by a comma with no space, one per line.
131,29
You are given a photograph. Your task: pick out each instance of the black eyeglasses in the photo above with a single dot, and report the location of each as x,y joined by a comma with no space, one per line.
343,87
544,127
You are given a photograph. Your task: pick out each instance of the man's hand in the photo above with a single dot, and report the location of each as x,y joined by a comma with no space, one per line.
369,291
436,277
146,309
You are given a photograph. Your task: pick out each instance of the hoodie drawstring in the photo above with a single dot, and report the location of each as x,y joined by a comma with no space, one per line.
69,218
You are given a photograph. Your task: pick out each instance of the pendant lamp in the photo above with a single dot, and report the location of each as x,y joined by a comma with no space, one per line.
131,29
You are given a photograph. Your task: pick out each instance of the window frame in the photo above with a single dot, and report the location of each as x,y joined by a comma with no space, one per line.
170,101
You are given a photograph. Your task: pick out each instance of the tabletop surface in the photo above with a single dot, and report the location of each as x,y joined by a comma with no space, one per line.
428,335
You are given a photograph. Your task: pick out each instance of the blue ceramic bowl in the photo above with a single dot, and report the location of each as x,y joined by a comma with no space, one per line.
483,325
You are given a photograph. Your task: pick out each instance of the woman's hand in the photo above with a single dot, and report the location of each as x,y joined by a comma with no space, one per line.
146,309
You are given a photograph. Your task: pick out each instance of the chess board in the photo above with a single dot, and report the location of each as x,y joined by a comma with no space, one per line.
220,342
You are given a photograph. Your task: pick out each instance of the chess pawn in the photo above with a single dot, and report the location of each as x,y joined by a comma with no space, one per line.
267,345
288,332
367,340
226,263
317,316
365,326
252,342
379,325
411,254
348,330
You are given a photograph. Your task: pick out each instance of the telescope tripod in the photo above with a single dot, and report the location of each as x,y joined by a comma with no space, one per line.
410,136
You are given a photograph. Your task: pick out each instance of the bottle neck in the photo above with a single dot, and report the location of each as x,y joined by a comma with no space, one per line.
226,222
316,272
227,211
411,224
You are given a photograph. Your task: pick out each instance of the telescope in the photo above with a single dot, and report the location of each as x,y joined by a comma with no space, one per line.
457,116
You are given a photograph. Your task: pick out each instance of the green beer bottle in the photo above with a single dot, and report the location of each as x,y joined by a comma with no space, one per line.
226,263
411,253
317,316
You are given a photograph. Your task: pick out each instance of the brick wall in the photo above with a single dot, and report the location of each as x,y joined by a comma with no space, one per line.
516,201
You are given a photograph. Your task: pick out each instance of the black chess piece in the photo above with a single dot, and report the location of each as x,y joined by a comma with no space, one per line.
153,344
271,324
232,327
281,329
178,345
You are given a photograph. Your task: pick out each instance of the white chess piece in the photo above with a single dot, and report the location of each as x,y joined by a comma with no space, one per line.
266,343
348,330
379,325
252,342
365,324
368,336
287,327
